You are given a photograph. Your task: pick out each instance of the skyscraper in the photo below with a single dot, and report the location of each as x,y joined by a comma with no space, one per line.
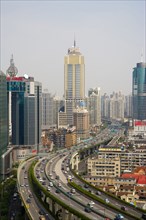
47,110
116,106
3,117
139,91
94,106
113,106
105,103
74,81
128,106
25,96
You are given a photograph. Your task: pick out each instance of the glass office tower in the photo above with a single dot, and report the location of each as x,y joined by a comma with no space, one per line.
25,104
139,91
3,117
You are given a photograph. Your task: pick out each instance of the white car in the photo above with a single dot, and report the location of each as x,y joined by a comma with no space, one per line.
91,202
51,184
106,200
48,188
90,205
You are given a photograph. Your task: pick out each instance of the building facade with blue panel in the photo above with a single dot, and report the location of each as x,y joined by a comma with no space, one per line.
25,107
139,91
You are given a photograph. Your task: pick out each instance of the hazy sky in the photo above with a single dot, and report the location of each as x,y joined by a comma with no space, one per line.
110,34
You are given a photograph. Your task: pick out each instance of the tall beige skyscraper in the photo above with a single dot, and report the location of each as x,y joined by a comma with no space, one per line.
74,82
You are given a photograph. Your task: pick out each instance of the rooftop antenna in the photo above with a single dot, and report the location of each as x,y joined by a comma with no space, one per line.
12,60
141,59
74,41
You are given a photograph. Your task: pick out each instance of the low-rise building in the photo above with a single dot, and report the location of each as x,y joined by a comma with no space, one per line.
70,139
104,167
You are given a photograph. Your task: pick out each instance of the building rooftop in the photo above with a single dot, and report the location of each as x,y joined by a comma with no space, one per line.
12,70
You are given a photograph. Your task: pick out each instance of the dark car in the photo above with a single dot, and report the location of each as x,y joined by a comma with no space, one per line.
87,209
41,212
119,217
57,177
86,186
28,200
124,208
143,216
30,195
57,191
98,193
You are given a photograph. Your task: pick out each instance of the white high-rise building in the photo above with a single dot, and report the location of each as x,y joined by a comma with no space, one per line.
47,110
128,106
94,106
105,101
58,106
117,106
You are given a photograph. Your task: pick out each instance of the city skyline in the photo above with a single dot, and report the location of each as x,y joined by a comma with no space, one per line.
110,34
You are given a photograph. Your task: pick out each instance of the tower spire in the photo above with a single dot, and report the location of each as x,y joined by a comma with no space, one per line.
74,41
141,58
12,60
12,70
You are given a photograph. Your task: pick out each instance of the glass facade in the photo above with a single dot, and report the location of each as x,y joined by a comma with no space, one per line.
17,113
78,81
69,91
26,106
3,117
139,91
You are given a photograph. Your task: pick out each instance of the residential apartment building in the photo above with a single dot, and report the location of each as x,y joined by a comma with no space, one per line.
112,107
71,137
103,167
81,122
117,106
128,160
